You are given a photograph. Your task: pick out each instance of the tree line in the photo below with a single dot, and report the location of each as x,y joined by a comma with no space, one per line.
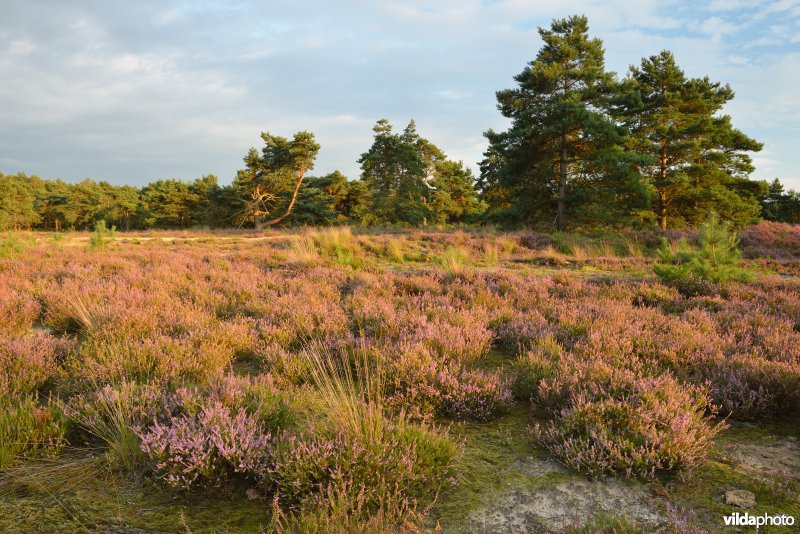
584,148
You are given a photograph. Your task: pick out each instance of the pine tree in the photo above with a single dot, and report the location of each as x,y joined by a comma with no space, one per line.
271,181
559,133
699,161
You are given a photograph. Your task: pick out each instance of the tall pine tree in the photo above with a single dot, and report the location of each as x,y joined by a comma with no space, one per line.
559,137
699,161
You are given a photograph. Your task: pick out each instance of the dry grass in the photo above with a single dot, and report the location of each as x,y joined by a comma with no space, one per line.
302,250
352,399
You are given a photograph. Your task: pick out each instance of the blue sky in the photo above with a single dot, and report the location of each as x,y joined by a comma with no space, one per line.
134,91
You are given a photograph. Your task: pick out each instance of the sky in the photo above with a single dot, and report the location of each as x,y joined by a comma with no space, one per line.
130,92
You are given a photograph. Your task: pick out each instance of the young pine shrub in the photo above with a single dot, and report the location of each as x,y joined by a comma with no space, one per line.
10,246
715,261
103,236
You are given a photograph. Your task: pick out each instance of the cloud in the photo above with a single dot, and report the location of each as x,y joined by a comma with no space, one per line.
134,91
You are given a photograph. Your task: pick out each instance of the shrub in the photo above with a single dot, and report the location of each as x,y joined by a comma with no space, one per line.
28,363
421,385
471,395
207,436
29,429
620,423
748,386
207,447
10,246
18,310
534,365
771,240
715,261
102,236
363,460
404,469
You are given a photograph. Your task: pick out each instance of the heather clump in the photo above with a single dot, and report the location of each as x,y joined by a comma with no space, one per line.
206,447
422,386
748,386
769,239
28,363
628,425
209,436
18,309
615,418
362,458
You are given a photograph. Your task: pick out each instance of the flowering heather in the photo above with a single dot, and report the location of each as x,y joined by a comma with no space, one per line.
18,309
407,464
618,423
771,240
187,451
27,363
187,360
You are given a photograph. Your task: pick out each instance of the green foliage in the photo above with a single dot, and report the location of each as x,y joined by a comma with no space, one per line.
780,205
716,260
103,236
562,152
453,261
270,182
11,245
29,429
698,161
411,181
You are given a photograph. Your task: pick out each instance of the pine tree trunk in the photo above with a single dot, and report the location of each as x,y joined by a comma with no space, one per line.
257,220
561,216
662,193
294,197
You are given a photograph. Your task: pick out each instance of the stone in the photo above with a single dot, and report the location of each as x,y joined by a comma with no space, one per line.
740,498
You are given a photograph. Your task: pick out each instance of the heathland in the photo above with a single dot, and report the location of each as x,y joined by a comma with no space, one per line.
344,380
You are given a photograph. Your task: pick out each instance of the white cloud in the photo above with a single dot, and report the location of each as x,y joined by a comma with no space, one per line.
130,92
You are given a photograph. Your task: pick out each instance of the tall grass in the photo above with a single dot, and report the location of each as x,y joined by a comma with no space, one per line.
491,255
351,398
303,250
395,250
112,420
28,429
453,261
